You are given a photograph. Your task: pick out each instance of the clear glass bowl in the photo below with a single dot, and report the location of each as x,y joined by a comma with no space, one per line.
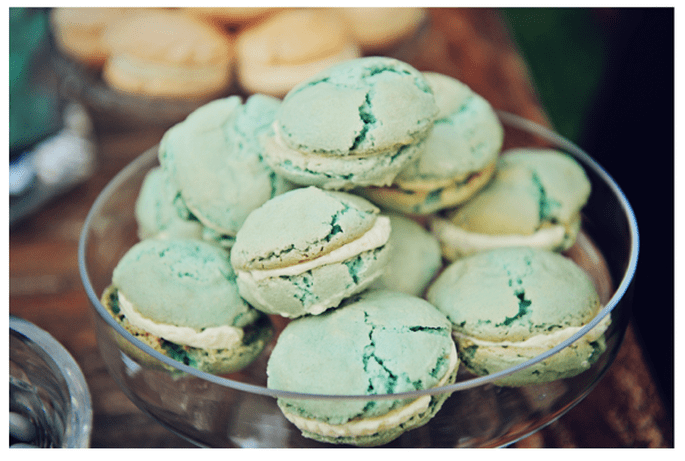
48,391
238,409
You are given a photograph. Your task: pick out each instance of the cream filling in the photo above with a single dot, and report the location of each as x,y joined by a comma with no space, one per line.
541,341
222,337
375,237
374,425
281,152
457,241
373,168
414,185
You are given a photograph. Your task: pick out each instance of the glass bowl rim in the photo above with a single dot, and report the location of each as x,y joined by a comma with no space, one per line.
508,119
79,421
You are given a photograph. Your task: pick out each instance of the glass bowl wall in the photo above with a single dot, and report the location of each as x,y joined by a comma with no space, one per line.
48,389
238,409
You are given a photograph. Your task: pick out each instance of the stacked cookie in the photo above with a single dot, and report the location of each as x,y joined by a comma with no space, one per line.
322,208
202,53
307,253
150,52
459,158
179,296
534,200
355,124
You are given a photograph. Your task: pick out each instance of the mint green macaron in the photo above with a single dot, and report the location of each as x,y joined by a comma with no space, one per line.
304,251
155,211
214,160
415,257
534,199
180,297
459,154
378,342
509,305
356,123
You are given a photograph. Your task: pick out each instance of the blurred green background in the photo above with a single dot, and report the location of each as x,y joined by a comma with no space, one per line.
566,49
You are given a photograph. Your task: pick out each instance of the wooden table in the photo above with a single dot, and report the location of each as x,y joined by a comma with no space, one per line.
624,410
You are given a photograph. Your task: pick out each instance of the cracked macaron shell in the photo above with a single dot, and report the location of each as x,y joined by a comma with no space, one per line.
467,136
214,159
514,293
366,106
317,289
182,282
376,343
300,225
531,187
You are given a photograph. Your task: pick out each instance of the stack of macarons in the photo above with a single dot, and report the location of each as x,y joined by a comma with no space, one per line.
158,53
274,202
148,52
206,52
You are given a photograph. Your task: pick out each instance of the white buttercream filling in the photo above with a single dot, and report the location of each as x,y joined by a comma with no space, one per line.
373,168
375,237
369,426
457,241
541,341
280,152
221,337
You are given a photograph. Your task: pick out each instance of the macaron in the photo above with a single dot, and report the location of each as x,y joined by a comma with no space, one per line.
291,45
214,161
534,199
381,30
509,305
415,257
180,297
231,16
357,123
79,32
306,250
155,211
379,342
459,157
167,54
